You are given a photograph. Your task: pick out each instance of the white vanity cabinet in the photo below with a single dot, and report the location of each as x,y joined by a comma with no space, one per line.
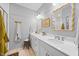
42,48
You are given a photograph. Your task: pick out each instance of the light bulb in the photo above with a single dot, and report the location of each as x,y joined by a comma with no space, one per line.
40,17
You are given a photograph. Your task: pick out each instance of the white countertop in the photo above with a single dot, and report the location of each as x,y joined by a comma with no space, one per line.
67,48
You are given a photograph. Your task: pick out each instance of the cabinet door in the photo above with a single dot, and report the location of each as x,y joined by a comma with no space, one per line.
51,51
32,41
35,44
42,51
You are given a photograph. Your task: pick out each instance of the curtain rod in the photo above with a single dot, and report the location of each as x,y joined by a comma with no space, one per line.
3,10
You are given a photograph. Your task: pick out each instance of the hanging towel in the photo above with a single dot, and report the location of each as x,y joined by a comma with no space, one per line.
3,36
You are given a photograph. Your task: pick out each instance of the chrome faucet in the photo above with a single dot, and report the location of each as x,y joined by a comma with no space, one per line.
57,37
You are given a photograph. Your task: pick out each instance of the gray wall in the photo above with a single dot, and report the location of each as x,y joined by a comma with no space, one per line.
46,10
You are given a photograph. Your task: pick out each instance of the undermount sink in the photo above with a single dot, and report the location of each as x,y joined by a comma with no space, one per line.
52,39
43,33
56,41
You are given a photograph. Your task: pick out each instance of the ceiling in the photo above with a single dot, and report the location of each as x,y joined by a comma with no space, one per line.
36,6
33,6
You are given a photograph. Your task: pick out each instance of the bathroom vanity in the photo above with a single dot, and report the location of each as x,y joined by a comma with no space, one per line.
44,45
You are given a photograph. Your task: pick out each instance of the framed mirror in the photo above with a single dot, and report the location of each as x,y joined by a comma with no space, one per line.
63,18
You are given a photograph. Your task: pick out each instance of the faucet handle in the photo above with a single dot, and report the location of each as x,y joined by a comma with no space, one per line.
57,37
62,38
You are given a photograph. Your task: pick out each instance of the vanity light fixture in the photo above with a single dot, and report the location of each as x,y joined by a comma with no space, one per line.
40,16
